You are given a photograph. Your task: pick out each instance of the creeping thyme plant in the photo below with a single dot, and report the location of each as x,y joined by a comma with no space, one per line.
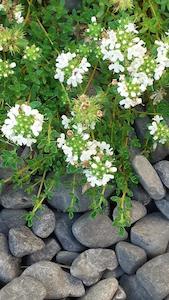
72,84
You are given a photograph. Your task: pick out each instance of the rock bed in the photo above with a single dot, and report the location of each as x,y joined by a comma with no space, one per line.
84,257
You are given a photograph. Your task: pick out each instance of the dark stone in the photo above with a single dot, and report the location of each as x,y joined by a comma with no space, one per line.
10,218
11,198
63,232
130,257
66,257
151,233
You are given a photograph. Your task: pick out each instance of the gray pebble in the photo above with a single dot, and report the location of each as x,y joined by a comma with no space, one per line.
47,253
44,222
23,242
25,288
63,232
90,265
10,218
103,290
130,257
58,283
97,232
11,198
151,233
162,168
154,276
120,294
66,257
148,177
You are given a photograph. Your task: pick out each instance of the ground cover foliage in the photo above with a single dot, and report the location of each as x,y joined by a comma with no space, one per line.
72,84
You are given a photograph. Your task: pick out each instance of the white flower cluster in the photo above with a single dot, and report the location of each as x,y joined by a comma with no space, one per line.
162,59
23,125
159,130
31,53
18,14
6,68
127,55
70,68
95,158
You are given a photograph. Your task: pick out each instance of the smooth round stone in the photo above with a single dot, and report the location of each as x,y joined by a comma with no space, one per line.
154,276
138,211
66,257
11,198
103,290
10,218
97,232
23,242
90,265
44,223
58,283
163,206
151,233
63,232
133,289
25,288
130,257
141,125
162,168
47,253
148,177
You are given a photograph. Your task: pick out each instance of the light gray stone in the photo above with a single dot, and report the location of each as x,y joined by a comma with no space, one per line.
118,272
47,253
103,290
9,265
120,294
10,218
132,288
66,257
90,265
25,288
140,195
130,257
148,177
96,232
11,198
23,242
154,276
58,283
151,233
138,211
63,232
44,223
162,168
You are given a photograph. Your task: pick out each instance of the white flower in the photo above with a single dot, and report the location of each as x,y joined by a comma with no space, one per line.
23,125
12,65
137,50
93,19
131,27
65,121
